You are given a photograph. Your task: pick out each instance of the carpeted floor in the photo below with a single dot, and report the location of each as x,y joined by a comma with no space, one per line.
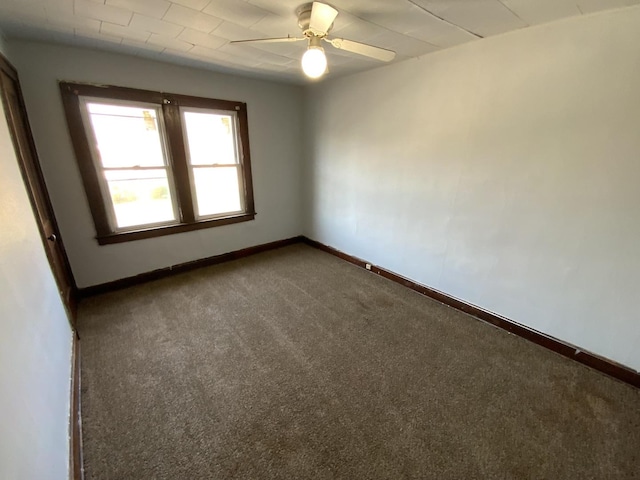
293,364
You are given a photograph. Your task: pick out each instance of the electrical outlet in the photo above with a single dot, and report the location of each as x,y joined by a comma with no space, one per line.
367,266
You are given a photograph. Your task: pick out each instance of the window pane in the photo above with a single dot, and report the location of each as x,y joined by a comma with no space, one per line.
140,197
211,138
126,136
217,190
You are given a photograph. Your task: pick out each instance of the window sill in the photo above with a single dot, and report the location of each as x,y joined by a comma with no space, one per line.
141,234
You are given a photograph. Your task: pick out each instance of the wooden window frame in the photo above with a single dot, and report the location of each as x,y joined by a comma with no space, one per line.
170,104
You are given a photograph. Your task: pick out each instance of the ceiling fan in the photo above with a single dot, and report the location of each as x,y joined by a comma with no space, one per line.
316,20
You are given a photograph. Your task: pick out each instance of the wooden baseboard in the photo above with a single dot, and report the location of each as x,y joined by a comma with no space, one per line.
592,360
76,469
573,352
183,267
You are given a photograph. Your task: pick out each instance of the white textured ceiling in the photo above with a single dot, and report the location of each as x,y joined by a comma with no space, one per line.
197,32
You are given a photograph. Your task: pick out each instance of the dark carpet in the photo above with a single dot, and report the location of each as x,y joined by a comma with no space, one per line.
294,364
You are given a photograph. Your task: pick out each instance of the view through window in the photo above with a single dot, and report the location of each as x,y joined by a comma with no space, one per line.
130,152
213,158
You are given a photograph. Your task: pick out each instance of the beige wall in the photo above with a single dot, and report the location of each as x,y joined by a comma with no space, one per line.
35,339
503,172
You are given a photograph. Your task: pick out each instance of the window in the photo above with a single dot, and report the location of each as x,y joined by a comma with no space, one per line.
156,163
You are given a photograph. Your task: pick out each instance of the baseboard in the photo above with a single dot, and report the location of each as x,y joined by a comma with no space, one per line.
183,267
76,469
604,365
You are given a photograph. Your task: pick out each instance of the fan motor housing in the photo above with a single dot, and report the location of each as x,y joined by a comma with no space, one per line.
304,18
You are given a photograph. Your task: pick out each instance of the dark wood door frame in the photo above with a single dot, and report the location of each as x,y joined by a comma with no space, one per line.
20,130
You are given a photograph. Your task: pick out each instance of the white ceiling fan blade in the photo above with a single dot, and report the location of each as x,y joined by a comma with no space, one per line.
322,17
271,40
378,53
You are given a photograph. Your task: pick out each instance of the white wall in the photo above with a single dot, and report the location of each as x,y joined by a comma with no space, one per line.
35,339
503,172
274,130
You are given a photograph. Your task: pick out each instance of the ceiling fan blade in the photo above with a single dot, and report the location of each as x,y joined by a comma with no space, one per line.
378,53
271,40
322,17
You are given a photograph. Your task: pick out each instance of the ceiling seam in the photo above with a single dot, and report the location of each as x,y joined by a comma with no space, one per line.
513,13
388,29
443,19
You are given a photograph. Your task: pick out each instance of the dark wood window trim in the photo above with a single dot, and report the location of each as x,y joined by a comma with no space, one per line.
170,104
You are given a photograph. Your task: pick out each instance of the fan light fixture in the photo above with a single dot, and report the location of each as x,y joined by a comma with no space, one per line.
314,61
315,19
